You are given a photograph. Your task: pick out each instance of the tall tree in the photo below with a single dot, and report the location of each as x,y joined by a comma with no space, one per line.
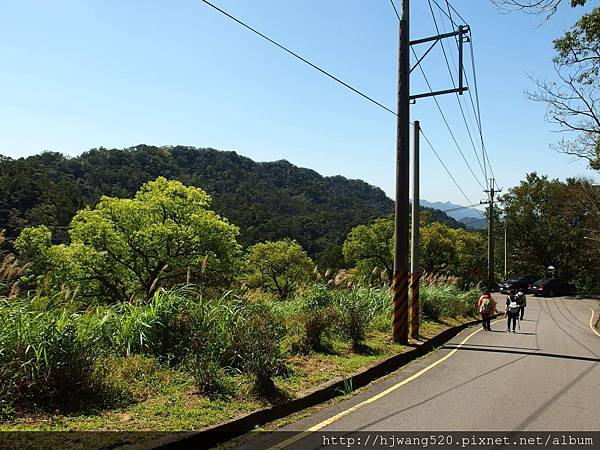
371,247
279,267
546,226
124,248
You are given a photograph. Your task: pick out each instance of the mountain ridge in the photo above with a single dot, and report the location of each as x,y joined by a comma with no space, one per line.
267,200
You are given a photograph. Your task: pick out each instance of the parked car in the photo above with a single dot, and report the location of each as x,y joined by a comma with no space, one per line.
549,287
517,282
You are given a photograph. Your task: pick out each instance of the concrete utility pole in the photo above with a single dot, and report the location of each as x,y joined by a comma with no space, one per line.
490,202
400,279
505,253
414,250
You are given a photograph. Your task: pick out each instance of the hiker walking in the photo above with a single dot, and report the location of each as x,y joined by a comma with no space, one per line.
486,307
522,301
512,311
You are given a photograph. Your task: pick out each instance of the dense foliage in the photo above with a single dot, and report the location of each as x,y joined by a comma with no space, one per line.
128,248
443,250
278,267
550,222
267,201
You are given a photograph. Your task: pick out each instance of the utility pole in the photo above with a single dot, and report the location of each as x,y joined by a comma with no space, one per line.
400,279
505,253
414,250
490,202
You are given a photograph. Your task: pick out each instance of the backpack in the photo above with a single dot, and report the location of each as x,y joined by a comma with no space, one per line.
513,307
486,305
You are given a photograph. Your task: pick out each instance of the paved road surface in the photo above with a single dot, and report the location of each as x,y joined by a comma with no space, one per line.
544,377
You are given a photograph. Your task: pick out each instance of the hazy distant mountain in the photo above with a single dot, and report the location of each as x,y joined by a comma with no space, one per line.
471,217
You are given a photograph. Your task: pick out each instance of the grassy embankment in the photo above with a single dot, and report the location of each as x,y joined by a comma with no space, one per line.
183,363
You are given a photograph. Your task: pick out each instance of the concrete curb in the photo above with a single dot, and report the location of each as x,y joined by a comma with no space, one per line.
223,432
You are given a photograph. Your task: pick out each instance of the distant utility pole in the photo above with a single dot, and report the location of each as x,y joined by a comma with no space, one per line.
490,202
505,253
414,249
400,280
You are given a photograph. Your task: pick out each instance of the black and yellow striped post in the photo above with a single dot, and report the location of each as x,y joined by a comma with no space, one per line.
400,308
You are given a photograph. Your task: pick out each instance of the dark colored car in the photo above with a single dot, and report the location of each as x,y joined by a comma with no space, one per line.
517,282
549,287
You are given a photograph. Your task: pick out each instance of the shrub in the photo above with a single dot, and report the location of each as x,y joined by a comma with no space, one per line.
319,317
257,339
357,311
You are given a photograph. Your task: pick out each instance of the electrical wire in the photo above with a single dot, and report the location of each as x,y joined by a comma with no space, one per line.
314,66
456,93
455,12
395,10
476,109
445,13
346,85
448,126
479,109
445,167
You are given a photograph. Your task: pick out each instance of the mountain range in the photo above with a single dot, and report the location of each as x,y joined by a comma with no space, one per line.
470,217
267,200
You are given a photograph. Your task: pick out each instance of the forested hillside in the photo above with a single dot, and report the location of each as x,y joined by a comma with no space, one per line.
268,201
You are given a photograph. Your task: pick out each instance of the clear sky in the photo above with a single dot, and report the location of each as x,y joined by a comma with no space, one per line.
78,74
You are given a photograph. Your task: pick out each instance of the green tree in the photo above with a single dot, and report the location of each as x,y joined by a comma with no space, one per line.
438,249
545,227
280,266
471,255
127,248
371,247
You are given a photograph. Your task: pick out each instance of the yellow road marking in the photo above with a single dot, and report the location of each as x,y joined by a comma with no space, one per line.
592,320
382,394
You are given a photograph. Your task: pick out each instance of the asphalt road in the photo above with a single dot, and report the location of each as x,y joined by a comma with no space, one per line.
544,377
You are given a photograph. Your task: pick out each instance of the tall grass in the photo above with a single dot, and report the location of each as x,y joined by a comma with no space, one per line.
50,353
44,360
447,300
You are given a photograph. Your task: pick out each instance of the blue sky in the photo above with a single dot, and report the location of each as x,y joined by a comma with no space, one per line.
81,74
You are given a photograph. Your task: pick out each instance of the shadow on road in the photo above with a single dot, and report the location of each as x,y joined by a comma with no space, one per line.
487,345
519,352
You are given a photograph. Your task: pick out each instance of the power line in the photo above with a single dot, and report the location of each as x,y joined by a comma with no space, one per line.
314,66
445,167
445,13
448,125
479,109
453,85
460,207
476,109
455,11
395,10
